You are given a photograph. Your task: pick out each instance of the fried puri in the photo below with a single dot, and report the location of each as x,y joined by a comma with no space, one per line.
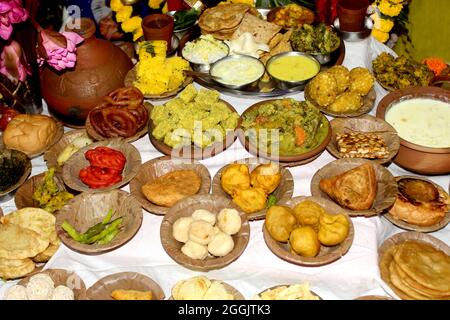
172,187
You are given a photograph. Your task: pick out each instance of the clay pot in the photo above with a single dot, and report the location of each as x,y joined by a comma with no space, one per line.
101,68
352,14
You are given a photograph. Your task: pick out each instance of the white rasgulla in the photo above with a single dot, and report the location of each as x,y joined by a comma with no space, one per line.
16,292
194,250
229,221
40,287
180,229
63,293
221,245
201,232
202,214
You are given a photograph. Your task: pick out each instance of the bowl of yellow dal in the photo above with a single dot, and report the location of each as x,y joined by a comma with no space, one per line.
292,69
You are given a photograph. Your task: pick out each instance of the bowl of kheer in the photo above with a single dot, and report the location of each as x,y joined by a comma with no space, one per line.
420,115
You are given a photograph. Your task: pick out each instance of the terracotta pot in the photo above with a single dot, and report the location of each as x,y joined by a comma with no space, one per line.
411,156
158,27
101,68
352,14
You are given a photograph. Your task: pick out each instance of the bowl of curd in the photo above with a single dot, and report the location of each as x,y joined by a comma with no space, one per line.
421,117
292,69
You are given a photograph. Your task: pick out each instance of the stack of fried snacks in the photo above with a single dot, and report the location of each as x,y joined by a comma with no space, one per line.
417,271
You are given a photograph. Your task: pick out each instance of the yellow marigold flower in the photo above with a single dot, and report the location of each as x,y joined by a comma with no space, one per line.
380,35
249,2
390,9
397,1
381,24
155,4
124,14
132,24
116,5
137,33
165,9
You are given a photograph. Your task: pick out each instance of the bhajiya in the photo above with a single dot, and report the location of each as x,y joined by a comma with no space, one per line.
308,213
333,229
235,176
266,177
250,200
304,241
280,221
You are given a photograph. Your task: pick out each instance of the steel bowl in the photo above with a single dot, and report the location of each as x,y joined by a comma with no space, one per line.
355,36
204,67
285,84
237,57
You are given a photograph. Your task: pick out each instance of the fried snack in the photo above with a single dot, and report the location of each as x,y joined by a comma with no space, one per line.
121,294
280,221
15,268
304,241
192,289
292,292
369,145
180,229
229,221
342,77
221,244
266,177
195,250
235,176
20,243
45,255
261,30
361,81
308,213
205,215
217,291
400,285
250,200
346,102
201,232
333,229
354,189
322,89
419,202
172,187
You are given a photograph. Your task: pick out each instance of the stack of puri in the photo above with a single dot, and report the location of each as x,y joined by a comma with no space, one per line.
417,271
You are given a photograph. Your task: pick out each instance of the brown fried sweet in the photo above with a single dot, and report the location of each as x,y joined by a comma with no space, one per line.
345,102
280,221
322,89
342,76
361,81
172,187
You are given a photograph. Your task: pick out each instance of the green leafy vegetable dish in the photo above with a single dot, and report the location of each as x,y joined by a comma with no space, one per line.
318,39
12,167
292,127
194,117
184,19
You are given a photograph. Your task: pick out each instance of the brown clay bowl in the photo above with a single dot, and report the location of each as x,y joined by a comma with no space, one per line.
24,195
102,289
7,153
411,156
385,255
409,226
365,123
236,294
185,208
151,170
52,154
193,152
285,285
97,136
65,278
283,192
386,185
88,209
302,158
326,254
76,162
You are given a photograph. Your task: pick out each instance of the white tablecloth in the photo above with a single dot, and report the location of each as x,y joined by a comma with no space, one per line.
355,274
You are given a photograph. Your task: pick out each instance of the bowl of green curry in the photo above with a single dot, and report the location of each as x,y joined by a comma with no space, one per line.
284,130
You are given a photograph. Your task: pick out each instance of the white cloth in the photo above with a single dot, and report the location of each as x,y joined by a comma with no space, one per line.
354,275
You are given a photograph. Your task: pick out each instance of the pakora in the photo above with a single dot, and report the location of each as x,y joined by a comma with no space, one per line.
308,213
250,200
266,177
304,241
235,176
280,221
333,229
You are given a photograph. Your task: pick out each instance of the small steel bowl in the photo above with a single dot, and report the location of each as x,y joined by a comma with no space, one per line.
355,36
285,84
237,57
204,67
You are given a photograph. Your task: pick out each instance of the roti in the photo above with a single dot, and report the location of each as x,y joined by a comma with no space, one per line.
34,219
428,266
397,282
20,243
221,17
261,30
15,268
172,187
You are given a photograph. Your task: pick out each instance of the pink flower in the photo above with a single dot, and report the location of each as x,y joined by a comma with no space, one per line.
58,50
11,12
11,64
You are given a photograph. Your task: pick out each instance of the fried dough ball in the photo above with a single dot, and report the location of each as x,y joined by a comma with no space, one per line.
229,221
201,232
347,101
280,221
180,229
205,215
235,176
342,77
266,176
221,245
304,241
333,229
308,213
250,200
361,81
194,250
323,89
